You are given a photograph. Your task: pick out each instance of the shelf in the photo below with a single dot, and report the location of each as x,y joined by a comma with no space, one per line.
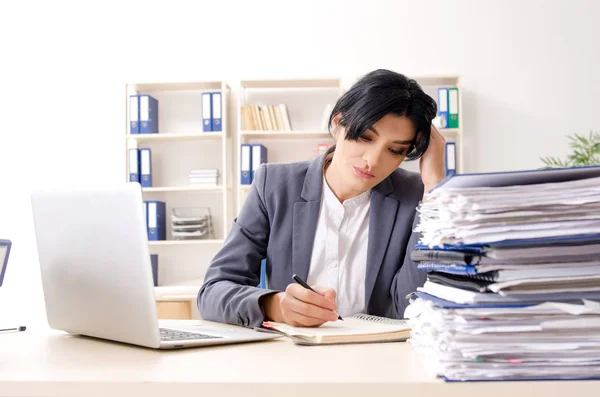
296,83
449,80
449,131
213,136
177,86
193,188
286,134
183,242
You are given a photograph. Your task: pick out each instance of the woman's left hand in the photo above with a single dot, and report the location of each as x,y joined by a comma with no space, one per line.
432,163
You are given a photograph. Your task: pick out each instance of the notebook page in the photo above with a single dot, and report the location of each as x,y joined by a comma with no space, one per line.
350,326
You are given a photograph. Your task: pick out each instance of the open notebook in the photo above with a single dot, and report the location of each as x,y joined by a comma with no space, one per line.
360,328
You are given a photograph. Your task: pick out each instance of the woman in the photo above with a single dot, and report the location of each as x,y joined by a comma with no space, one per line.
343,222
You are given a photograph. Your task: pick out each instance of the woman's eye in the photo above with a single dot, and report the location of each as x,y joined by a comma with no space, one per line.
398,152
365,139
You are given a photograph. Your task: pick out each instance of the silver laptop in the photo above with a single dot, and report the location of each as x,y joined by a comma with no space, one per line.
96,272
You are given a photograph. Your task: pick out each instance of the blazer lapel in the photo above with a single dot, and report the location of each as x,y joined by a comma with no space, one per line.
383,210
306,217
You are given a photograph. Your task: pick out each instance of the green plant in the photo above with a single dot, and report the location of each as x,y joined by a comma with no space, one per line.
586,151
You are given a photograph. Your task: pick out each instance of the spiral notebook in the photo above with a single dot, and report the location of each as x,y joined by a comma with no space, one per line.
360,328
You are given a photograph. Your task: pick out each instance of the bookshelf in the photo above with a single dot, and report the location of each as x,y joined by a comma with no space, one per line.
180,146
306,102
430,85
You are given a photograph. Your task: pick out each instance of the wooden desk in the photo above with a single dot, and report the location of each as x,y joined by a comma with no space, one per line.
52,363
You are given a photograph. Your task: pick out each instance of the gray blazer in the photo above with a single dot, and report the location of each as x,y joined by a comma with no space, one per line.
278,221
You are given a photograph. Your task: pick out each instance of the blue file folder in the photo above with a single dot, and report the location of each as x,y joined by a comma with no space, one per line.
246,164
443,107
263,274
148,115
154,264
216,112
206,112
146,167
134,114
259,156
450,158
134,165
157,228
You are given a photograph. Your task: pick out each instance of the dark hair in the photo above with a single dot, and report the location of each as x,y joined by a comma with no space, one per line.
383,92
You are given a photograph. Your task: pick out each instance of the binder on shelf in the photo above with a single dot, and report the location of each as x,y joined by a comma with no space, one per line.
450,158
134,165
443,107
146,167
453,120
148,115
206,112
263,274
246,164
134,114
259,156
157,229
154,264
216,116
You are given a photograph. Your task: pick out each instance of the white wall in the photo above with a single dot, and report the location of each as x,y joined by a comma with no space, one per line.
529,76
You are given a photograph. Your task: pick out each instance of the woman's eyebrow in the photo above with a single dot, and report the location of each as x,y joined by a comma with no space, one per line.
398,142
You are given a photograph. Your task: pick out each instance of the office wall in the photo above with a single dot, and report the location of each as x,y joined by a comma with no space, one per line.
529,71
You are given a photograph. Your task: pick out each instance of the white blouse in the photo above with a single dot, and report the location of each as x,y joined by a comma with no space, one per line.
339,256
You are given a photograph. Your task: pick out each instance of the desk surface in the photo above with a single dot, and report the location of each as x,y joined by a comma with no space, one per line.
53,363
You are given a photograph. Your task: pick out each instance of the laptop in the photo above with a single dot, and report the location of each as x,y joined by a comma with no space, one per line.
96,271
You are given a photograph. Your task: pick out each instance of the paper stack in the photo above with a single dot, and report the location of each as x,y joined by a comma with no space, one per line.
189,223
513,283
205,177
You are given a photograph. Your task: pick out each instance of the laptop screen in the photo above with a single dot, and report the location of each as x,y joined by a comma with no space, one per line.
4,251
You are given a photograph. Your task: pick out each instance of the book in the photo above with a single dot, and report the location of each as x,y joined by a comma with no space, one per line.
360,328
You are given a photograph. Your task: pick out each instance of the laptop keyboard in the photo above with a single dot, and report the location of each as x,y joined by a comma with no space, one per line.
171,334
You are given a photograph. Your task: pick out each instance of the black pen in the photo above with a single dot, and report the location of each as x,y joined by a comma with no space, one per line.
303,283
18,329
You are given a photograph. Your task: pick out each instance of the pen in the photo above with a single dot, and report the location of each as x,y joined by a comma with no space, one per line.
303,283
17,329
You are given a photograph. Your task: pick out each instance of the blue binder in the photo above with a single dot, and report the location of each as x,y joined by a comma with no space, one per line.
134,165
146,167
134,114
154,264
216,115
246,164
259,156
443,107
263,274
450,158
206,112
148,115
157,229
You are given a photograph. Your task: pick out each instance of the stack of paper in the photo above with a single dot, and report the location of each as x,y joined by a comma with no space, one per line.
191,223
204,177
513,284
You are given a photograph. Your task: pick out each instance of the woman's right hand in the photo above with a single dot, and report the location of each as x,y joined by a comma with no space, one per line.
301,307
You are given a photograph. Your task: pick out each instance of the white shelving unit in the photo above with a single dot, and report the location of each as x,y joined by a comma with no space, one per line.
181,145
306,100
430,85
